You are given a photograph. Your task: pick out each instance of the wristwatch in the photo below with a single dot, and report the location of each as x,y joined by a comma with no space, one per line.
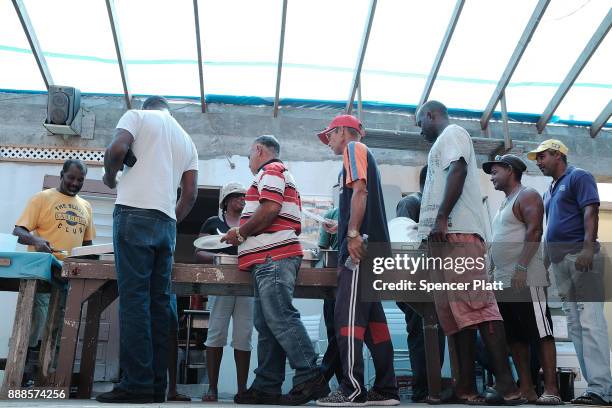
239,237
352,234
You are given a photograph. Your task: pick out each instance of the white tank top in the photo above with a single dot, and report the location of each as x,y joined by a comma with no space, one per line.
507,245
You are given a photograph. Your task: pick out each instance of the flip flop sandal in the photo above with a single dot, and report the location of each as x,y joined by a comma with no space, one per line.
178,397
210,397
494,397
549,399
589,399
479,399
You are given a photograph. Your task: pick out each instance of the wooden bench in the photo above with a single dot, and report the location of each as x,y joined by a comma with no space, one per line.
94,282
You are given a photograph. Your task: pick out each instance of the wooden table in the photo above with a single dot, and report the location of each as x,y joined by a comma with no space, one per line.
20,336
95,282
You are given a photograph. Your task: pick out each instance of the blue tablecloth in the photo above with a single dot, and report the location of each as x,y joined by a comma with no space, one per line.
29,265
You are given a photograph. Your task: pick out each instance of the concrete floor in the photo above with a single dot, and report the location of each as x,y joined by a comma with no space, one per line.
194,403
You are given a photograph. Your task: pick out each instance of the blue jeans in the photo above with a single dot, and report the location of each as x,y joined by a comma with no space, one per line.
144,242
282,335
586,324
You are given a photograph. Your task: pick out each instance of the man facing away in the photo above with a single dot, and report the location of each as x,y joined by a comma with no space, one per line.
362,211
144,238
451,221
573,253
515,252
55,221
269,248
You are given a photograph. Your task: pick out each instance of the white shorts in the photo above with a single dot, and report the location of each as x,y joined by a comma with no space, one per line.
240,309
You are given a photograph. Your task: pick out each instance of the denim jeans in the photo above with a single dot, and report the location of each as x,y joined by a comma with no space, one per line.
586,324
282,335
144,242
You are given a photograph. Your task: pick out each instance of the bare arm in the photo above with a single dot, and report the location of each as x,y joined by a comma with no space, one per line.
25,237
263,217
584,259
115,154
189,193
203,256
358,206
530,209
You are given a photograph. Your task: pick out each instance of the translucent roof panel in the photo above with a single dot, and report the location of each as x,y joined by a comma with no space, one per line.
484,39
77,42
564,31
240,49
159,46
593,88
397,64
18,66
322,41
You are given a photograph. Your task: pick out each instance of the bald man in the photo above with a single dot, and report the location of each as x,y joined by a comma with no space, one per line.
451,221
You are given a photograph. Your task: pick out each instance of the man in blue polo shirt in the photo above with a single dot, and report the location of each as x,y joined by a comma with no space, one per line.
572,251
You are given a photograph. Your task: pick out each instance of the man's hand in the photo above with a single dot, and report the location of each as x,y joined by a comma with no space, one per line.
584,260
110,182
42,245
231,237
519,279
356,249
439,230
330,227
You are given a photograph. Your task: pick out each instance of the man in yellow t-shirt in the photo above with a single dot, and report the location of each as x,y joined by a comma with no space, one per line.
56,220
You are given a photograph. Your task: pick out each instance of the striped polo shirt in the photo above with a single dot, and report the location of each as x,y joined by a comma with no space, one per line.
279,240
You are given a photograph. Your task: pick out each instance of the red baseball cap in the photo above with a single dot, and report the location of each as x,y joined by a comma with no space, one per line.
341,121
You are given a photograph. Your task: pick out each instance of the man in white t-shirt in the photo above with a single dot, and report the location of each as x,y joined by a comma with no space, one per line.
451,221
144,239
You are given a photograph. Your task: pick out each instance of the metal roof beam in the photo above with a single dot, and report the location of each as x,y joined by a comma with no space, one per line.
279,68
196,17
441,53
112,18
520,48
361,57
601,119
579,65
28,29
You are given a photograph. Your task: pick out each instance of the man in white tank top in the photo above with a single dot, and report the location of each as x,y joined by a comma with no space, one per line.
518,263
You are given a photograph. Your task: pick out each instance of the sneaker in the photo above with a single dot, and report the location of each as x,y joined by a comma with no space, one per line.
338,399
307,391
376,398
256,397
119,396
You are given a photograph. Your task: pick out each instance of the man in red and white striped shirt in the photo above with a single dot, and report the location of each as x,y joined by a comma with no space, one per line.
269,248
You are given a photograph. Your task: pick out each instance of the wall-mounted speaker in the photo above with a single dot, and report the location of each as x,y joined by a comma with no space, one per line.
63,104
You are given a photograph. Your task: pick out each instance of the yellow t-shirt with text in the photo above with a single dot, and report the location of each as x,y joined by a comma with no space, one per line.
62,220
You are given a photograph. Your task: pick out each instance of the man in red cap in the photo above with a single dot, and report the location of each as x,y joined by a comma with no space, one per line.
358,321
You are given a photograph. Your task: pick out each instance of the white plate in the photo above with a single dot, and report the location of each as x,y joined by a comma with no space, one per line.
210,242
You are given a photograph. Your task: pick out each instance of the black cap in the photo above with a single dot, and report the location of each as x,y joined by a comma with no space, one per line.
507,159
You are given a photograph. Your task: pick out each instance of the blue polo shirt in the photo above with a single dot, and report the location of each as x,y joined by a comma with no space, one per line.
564,204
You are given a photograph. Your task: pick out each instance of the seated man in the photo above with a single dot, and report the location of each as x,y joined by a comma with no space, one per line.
55,221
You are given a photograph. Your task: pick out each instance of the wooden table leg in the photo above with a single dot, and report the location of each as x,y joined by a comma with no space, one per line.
18,344
96,304
50,337
432,355
70,334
